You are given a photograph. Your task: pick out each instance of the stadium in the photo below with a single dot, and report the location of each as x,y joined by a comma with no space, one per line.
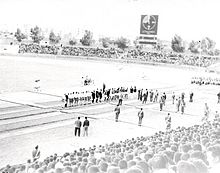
48,90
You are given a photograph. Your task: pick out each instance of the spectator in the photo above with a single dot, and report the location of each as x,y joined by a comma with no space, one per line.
186,167
134,170
93,169
200,166
103,166
213,156
144,166
158,162
113,169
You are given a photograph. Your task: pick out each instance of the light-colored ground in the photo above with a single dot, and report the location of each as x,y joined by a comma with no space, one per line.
57,76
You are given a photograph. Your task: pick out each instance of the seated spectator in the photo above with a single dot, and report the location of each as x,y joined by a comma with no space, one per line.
158,162
200,165
213,156
186,167
113,169
144,166
93,169
134,169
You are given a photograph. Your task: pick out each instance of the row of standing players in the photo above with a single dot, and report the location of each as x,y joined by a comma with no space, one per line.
154,95
87,97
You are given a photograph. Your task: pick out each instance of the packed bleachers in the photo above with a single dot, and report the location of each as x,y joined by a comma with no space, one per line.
205,81
84,51
38,49
171,58
156,57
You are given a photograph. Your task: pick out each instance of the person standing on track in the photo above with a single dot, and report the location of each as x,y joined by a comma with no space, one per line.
164,97
36,153
218,95
178,100
173,97
120,99
168,122
144,98
156,96
206,113
85,126
117,112
182,104
140,116
151,95
78,125
161,103
191,97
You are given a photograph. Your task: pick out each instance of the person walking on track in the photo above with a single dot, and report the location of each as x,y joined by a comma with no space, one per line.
140,117
117,112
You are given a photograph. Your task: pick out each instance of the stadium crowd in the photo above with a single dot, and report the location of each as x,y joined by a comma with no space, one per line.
84,51
205,81
38,49
194,149
170,57
158,57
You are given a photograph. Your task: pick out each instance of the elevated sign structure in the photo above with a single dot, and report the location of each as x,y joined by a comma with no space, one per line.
148,29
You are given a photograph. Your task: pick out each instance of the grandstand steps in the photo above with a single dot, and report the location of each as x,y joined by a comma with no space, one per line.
52,104
36,120
30,111
12,108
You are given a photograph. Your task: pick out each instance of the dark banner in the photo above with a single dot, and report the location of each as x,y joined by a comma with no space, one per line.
149,24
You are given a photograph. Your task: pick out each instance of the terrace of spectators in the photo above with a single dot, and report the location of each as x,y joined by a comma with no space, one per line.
149,56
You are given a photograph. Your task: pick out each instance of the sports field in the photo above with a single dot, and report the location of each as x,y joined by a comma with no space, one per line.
57,76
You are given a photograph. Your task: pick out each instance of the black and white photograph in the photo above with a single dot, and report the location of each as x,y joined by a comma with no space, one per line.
109,86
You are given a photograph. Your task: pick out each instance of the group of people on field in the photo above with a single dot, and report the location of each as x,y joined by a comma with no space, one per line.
145,95
205,81
179,101
140,114
85,125
95,96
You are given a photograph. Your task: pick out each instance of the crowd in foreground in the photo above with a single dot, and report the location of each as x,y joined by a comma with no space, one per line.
135,54
194,149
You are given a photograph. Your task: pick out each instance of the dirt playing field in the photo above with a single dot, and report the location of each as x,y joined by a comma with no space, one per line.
57,76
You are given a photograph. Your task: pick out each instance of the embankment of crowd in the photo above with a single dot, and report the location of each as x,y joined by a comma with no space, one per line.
118,60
